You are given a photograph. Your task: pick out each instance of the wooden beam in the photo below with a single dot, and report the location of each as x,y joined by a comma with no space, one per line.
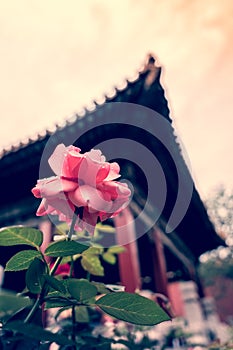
180,253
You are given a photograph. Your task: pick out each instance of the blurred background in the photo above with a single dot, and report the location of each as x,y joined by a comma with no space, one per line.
57,56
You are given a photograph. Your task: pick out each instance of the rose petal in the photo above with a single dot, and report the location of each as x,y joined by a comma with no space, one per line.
72,163
114,172
47,187
83,180
89,196
95,155
73,150
68,185
90,171
65,161
103,172
42,209
57,158
63,205
116,189
116,208
53,187
36,192
55,207
89,221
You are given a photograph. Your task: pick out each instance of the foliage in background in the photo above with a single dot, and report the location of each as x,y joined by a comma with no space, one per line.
219,262
220,209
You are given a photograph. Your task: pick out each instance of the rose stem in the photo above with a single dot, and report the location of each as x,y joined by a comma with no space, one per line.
69,236
32,311
73,323
53,270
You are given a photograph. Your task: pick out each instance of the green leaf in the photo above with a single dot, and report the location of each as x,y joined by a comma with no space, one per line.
65,248
132,308
70,258
58,302
105,228
15,235
101,288
55,283
94,250
11,303
22,260
33,331
59,299
34,276
63,291
92,264
81,314
116,249
61,229
61,309
109,258
81,289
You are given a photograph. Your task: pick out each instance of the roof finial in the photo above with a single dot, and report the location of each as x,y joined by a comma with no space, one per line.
152,71
150,59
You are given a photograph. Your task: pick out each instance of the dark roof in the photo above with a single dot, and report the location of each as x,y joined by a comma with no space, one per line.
19,165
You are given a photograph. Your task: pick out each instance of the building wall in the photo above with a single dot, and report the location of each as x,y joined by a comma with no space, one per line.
222,292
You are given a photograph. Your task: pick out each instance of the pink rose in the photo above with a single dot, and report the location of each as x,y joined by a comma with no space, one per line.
82,181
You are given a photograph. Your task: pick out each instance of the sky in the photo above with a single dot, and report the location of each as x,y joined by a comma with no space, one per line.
57,56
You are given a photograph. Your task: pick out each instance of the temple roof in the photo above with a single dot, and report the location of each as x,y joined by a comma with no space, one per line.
19,164
131,91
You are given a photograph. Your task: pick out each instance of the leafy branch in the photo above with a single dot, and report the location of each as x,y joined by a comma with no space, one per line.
71,293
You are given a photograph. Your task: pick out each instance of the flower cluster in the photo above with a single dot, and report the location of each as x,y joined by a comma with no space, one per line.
85,181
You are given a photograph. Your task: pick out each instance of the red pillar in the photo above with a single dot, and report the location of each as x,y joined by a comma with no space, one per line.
128,260
160,269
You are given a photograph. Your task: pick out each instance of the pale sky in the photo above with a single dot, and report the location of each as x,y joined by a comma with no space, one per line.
57,56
